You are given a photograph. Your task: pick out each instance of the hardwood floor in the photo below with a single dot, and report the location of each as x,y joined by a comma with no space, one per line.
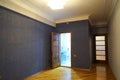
98,72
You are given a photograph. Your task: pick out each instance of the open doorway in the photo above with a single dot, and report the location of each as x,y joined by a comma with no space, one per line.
65,49
100,48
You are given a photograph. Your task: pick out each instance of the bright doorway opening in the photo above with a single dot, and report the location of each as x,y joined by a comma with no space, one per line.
100,48
65,49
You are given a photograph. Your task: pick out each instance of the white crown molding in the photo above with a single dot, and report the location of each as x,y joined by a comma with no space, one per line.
71,19
24,10
113,6
8,4
100,24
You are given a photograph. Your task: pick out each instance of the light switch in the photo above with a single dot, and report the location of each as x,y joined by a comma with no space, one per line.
74,55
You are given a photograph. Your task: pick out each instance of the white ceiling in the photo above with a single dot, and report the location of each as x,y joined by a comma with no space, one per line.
97,11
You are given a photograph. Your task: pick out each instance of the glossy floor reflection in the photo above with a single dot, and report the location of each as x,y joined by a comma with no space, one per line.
98,72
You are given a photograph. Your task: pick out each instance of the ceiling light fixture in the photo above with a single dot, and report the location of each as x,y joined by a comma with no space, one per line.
56,4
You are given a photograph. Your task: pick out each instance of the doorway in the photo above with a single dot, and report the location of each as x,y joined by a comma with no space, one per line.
100,48
65,49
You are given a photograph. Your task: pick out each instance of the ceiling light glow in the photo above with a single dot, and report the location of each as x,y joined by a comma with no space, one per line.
56,4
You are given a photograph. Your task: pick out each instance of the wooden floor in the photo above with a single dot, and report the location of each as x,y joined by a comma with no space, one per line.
98,72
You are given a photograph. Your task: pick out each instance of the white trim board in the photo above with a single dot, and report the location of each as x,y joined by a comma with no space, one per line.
15,7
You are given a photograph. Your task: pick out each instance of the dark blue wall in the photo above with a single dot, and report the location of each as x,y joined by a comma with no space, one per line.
25,45
80,42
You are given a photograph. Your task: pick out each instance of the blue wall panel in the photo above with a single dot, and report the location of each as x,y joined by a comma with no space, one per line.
80,42
25,45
